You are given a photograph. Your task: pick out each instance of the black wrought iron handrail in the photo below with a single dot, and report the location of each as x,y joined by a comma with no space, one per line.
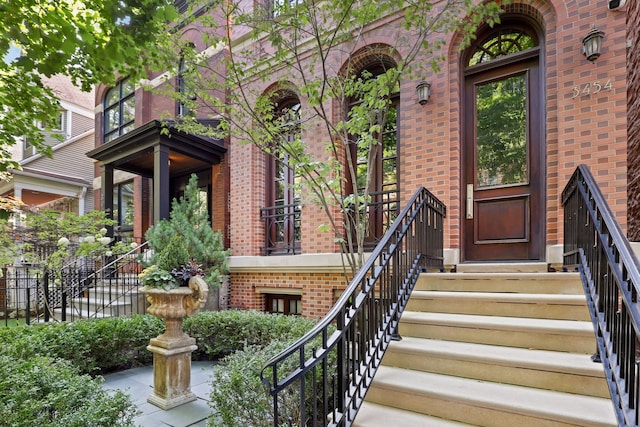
595,243
119,276
322,378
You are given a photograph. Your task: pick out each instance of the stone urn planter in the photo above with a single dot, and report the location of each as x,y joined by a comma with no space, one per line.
172,349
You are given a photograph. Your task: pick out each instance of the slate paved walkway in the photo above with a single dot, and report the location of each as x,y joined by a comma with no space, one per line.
138,383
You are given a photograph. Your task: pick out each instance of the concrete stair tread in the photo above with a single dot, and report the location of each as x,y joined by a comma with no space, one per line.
374,415
542,360
541,404
550,326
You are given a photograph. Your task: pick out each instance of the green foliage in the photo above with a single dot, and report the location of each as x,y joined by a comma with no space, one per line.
104,345
57,236
90,41
219,333
187,236
92,346
156,277
175,253
502,132
239,398
44,392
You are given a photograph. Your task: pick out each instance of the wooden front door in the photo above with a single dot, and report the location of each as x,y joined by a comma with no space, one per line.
503,167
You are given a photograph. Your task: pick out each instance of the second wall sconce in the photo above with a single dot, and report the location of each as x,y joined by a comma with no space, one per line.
592,44
423,90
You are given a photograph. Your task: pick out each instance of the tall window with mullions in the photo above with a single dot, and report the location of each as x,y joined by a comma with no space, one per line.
119,110
382,158
282,216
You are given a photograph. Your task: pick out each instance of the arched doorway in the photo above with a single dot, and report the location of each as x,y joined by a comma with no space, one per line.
503,143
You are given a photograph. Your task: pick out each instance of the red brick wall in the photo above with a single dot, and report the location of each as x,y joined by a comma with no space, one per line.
588,129
318,290
633,125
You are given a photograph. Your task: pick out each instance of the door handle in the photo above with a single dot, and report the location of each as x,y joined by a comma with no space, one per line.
469,201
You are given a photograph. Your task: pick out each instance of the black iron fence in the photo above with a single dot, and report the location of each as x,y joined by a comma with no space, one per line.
321,379
595,244
383,209
282,229
86,287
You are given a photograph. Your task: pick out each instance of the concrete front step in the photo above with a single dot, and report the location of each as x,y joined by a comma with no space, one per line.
121,307
541,334
374,415
544,306
552,370
73,314
530,283
485,403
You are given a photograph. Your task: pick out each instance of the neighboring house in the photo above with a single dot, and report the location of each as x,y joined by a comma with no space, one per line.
575,111
65,181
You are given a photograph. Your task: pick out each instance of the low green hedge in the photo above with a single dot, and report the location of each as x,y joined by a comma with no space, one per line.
93,346
98,346
220,333
45,392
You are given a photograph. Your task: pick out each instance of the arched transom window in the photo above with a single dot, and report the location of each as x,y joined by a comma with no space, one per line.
501,44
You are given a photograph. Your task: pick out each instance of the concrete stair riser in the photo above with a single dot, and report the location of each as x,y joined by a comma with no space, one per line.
531,283
568,307
571,336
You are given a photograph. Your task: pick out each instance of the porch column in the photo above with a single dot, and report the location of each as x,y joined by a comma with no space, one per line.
106,178
81,201
17,194
161,198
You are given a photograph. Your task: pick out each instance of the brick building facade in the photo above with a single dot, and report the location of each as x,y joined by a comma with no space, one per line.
633,124
576,112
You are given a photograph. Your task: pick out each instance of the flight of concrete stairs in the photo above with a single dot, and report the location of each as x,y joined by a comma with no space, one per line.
491,349
109,298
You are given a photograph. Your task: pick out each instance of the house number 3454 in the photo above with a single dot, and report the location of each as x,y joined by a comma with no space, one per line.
590,88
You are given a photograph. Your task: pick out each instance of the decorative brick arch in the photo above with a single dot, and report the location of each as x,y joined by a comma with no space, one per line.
377,54
281,90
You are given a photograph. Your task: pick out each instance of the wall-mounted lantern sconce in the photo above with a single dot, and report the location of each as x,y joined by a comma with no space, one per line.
423,89
592,44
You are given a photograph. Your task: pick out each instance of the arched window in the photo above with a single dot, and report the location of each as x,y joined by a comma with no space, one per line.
119,110
282,214
185,87
381,156
500,44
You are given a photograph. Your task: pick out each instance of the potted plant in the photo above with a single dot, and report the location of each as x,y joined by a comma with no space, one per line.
187,257
171,291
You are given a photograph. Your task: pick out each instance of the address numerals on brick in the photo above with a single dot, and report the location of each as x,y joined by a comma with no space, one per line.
590,88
